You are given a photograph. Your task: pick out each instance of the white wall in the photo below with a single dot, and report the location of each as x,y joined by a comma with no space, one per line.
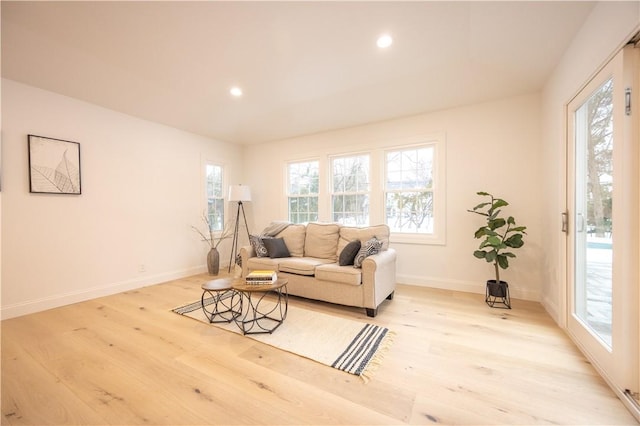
492,147
608,27
142,188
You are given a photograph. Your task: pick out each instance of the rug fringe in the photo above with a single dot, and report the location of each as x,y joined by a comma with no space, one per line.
375,362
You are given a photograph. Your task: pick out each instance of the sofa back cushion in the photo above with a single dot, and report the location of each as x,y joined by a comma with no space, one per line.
321,240
364,234
293,236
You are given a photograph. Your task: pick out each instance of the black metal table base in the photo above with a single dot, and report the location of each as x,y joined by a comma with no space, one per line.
222,306
261,314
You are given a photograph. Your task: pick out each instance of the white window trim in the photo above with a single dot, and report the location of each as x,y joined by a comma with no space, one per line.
203,180
321,185
438,237
378,177
331,193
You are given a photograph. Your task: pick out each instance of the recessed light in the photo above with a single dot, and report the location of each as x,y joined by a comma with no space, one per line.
384,41
236,91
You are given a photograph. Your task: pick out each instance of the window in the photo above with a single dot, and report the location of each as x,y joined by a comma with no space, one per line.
215,197
302,191
401,183
350,190
409,189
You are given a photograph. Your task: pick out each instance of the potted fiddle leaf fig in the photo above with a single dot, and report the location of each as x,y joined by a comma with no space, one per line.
499,236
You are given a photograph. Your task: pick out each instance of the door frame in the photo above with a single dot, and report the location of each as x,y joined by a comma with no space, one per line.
630,163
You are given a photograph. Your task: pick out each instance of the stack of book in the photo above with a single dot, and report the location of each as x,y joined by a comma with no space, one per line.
261,277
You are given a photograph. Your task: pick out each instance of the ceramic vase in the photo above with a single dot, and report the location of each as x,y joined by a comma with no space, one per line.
213,261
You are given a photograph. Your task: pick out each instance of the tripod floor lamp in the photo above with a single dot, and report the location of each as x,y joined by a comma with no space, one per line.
239,193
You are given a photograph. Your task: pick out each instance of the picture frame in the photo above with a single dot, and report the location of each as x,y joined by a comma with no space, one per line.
54,166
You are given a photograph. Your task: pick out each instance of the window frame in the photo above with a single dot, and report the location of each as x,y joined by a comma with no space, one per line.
367,192
207,212
309,196
377,176
438,236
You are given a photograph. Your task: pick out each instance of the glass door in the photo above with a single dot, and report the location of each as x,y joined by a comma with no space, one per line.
603,194
593,208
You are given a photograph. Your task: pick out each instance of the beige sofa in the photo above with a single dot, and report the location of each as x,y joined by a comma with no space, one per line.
313,271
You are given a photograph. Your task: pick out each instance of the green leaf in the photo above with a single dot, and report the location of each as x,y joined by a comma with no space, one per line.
480,254
496,223
481,232
494,241
514,241
518,229
497,203
498,234
481,205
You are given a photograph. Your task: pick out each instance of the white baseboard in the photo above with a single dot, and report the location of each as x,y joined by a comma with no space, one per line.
464,286
55,301
553,311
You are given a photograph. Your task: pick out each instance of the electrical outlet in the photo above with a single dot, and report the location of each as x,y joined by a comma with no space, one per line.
142,268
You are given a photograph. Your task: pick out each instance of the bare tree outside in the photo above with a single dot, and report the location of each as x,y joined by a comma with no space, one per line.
599,161
594,176
409,190
215,198
303,186
350,192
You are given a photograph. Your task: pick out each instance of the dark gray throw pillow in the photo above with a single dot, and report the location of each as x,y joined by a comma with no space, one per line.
348,253
276,247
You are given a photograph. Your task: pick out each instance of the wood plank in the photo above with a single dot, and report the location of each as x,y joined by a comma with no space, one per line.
127,359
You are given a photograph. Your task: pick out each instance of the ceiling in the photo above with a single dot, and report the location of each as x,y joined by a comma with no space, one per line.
304,67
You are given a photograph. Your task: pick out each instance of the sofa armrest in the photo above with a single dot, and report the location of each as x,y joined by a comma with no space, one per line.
379,277
246,252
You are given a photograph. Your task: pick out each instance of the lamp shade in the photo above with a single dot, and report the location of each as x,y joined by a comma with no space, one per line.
239,193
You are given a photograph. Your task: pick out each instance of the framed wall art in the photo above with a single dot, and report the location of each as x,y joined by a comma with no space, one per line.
54,166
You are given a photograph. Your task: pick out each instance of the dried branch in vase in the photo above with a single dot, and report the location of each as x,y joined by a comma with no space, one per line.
211,239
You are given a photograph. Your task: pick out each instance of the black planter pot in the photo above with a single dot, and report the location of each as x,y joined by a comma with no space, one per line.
498,293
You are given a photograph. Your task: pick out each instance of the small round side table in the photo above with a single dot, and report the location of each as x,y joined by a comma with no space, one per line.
221,306
262,314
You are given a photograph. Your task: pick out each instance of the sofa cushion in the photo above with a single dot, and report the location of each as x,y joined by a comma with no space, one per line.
369,248
321,241
254,263
300,265
340,274
348,253
364,234
276,247
257,243
293,236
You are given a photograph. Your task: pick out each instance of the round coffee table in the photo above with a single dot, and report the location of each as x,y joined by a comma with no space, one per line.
221,306
265,305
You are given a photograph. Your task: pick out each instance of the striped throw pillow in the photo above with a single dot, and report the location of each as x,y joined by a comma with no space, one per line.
369,248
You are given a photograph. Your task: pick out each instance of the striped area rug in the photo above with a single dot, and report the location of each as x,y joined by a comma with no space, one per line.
352,346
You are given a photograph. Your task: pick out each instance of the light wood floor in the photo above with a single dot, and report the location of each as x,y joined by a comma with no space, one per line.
126,359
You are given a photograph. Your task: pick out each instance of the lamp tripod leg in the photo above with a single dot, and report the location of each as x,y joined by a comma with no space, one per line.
245,221
234,245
